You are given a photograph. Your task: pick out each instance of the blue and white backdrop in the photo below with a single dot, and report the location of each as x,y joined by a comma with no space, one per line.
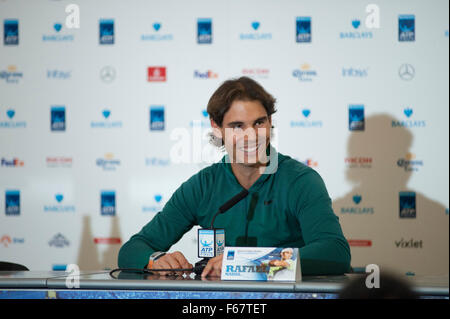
102,117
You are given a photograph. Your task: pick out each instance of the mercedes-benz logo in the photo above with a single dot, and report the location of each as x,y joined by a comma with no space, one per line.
107,74
406,72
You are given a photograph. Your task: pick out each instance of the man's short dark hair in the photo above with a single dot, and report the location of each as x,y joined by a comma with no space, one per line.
240,89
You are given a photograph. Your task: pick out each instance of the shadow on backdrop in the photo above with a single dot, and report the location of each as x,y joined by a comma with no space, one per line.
97,256
380,164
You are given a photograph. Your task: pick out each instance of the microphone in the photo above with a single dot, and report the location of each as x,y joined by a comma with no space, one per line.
211,241
233,201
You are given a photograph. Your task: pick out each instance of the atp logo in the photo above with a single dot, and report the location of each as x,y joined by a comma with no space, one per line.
406,28
356,118
11,32
205,243
303,30
204,31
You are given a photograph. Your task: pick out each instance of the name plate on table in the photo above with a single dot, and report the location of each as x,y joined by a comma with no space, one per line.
261,264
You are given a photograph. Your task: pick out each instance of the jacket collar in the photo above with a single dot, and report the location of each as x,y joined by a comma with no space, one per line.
270,170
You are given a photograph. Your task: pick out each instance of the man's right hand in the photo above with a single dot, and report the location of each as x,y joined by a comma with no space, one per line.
174,260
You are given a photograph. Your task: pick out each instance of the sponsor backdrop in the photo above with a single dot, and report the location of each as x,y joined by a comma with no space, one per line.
103,116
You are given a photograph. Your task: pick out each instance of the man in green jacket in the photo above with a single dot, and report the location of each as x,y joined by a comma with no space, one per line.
287,206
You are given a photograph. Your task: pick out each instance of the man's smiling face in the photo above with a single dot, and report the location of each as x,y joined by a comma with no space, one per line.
246,132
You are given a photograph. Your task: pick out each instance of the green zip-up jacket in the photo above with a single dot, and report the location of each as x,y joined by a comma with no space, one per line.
288,207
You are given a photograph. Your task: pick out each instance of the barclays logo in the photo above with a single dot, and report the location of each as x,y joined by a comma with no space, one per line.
10,123
306,122
107,123
59,207
357,210
356,33
155,208
255,35
203,122
157,35
57,37
409,122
